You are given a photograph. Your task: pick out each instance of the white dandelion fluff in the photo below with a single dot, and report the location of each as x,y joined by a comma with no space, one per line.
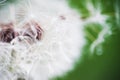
48,40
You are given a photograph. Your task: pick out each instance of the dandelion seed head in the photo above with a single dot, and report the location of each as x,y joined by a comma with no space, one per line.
53,53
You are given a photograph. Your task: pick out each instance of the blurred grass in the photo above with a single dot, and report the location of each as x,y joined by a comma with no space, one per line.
94,66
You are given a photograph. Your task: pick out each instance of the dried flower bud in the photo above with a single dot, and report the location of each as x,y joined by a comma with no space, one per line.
33,30
7,35
7,32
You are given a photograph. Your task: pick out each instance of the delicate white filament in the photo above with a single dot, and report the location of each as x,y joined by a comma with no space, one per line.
59,48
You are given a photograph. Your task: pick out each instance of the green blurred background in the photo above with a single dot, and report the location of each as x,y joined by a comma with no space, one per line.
103,64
